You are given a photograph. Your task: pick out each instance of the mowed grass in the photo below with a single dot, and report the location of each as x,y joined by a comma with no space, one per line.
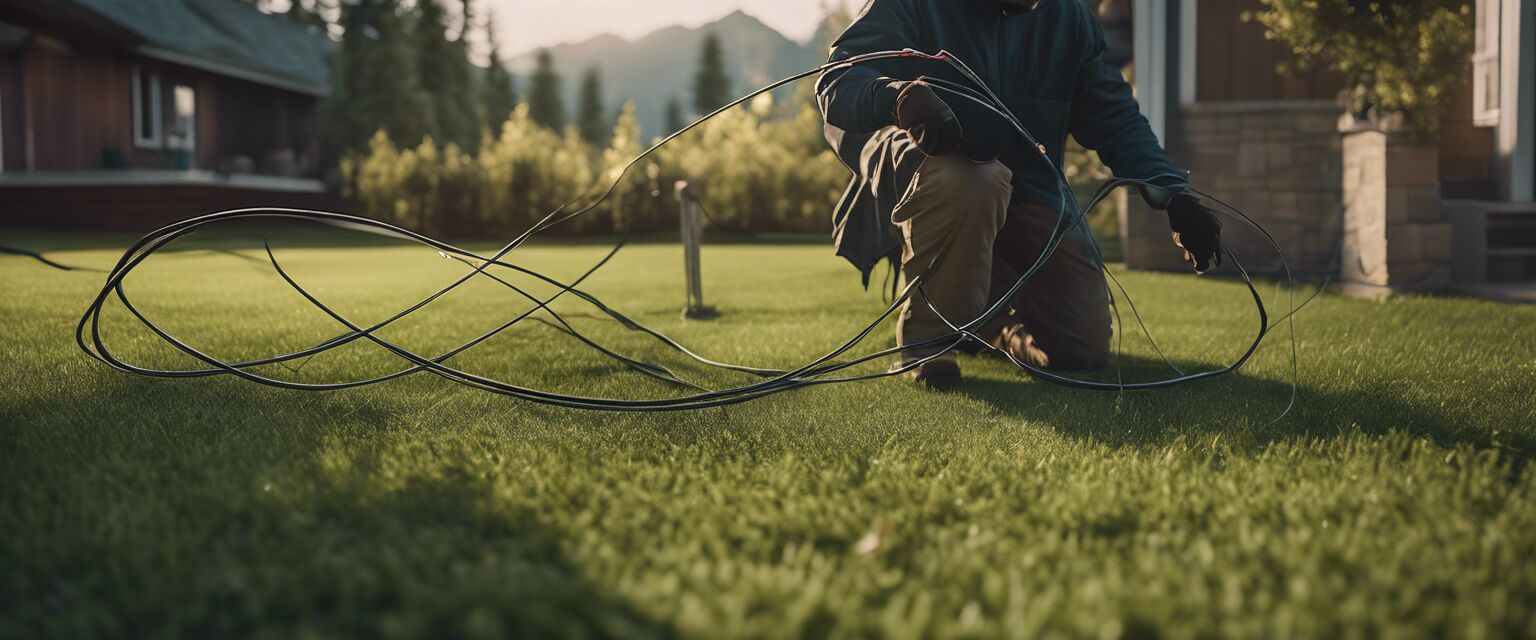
1395,499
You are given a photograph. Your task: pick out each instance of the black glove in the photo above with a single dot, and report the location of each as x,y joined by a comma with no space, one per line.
1196,230
927,118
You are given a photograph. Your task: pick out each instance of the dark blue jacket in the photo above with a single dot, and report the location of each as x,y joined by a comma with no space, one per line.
1046,64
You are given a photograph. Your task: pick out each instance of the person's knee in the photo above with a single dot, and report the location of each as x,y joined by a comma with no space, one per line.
970,183
959,193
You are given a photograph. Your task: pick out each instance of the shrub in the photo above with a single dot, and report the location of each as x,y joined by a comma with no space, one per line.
753,169
529,172
1398,56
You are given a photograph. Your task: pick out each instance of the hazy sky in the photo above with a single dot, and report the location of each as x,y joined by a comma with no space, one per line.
527,24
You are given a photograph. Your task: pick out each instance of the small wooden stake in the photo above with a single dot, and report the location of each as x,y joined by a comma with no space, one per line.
692,223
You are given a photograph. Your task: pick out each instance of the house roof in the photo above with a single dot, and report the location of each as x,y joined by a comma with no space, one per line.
226,37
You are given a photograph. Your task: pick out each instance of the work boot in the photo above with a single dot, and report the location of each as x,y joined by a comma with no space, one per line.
1017,342
941,374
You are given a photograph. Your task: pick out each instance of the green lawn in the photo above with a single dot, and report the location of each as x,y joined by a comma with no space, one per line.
1396,499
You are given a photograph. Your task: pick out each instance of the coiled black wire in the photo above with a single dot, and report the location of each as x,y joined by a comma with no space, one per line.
826,369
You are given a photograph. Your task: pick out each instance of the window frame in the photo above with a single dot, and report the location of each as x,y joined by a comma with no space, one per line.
155,138
1486,64
175,140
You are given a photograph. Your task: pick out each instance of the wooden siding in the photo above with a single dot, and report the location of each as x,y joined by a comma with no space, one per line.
1468,154
254,120
66,103
12,134
75,102
1236,62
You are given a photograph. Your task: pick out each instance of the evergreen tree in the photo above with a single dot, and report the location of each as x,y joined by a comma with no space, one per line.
447,76
545,105
308,12
711,87
675,120
590,118
374,80
500,89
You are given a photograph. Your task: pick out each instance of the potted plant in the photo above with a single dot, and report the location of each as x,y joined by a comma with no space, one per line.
1399,61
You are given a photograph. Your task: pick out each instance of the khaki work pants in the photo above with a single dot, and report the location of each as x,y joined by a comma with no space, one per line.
1064,307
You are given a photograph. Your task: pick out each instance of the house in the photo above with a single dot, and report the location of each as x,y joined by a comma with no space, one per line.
127,114
1375,213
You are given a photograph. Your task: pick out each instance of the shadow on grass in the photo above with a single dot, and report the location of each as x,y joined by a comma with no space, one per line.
309,517
1238,408
463,560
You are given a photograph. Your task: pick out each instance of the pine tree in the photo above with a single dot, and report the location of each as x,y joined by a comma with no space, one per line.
674,118
500,89
590,116
308,12
447,76
545,105
375,85
711,87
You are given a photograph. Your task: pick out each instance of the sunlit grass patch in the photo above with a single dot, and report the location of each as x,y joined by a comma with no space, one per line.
1394,499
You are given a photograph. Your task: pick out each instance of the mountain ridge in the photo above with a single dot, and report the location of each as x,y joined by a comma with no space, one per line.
526,56
660,65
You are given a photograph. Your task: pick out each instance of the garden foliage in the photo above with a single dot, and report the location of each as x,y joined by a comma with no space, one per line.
753,171
1398,56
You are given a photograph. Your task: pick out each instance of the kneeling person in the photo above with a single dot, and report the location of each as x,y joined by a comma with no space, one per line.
952,192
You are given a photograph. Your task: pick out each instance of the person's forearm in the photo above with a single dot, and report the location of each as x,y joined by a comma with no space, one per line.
860,99
857,99
1136,153
1112,124
1107,119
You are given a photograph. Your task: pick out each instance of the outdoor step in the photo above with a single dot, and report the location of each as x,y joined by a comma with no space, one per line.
1512,252
1511,231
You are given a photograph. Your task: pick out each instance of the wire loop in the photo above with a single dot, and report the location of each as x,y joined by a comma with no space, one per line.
826,369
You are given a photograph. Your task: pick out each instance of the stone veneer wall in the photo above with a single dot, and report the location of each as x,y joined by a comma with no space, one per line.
1397,238
1279,162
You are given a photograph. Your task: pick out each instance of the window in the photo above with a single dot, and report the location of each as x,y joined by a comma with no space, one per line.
146,109
183,132
1485,65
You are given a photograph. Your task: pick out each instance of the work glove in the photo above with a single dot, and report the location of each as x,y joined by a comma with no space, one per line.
927,118
1196,230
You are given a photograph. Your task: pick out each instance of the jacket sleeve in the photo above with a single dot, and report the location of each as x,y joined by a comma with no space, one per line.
859,99
1106,119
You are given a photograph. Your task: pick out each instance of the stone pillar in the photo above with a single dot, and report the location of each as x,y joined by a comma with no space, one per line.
1396,238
